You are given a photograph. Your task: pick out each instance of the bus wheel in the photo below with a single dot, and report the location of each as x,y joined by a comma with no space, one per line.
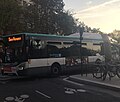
55,70
21,73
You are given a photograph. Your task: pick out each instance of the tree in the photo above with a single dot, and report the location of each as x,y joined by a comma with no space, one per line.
115,35
9,16
40,16
48,16
36,16
66,23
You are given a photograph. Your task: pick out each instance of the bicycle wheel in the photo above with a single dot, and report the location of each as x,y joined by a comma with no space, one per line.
99,72
104,75
112,71
118,72
111,74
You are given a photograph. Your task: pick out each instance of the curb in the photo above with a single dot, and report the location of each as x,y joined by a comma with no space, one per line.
6,78
95,83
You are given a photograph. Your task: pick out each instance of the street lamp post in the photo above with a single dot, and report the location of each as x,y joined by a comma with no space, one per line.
81,30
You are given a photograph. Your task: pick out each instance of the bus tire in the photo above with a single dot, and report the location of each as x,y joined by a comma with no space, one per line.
55,69
21,73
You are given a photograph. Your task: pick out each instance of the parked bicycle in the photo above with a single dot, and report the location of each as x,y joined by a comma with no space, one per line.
102,70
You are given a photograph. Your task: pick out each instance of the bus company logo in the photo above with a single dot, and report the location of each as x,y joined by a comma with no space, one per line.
11,39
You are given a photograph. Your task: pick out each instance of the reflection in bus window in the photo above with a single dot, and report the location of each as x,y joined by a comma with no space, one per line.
38,44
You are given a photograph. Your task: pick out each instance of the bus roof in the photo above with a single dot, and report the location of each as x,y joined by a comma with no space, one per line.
71,37
87,35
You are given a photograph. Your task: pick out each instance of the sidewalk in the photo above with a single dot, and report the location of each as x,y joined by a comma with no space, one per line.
113,84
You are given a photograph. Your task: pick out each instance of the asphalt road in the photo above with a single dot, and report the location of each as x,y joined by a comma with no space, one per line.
53,90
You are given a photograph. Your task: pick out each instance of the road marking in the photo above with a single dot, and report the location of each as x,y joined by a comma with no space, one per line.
42,94
16,99
24,96
65,79
9,98
81,90
69,90
73,91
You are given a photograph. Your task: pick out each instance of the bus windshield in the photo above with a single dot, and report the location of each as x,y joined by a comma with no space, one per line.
13,55
14,49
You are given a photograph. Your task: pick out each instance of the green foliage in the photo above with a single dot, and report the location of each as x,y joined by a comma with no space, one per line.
48,16
89,29
9,16
66,23
38,16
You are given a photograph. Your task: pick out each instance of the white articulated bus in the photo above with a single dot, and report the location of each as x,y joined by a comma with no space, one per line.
35,54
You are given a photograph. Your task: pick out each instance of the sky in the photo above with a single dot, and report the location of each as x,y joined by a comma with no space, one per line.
103,14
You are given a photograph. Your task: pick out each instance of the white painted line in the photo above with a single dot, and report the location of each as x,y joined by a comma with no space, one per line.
24,96
69,92
9,98
42,94
100,83
96,82
70,89
65,79
81,90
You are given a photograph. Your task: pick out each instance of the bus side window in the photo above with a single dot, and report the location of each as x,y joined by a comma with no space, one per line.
53,51
37,49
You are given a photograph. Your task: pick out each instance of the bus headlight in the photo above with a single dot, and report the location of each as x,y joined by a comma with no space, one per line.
20,68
